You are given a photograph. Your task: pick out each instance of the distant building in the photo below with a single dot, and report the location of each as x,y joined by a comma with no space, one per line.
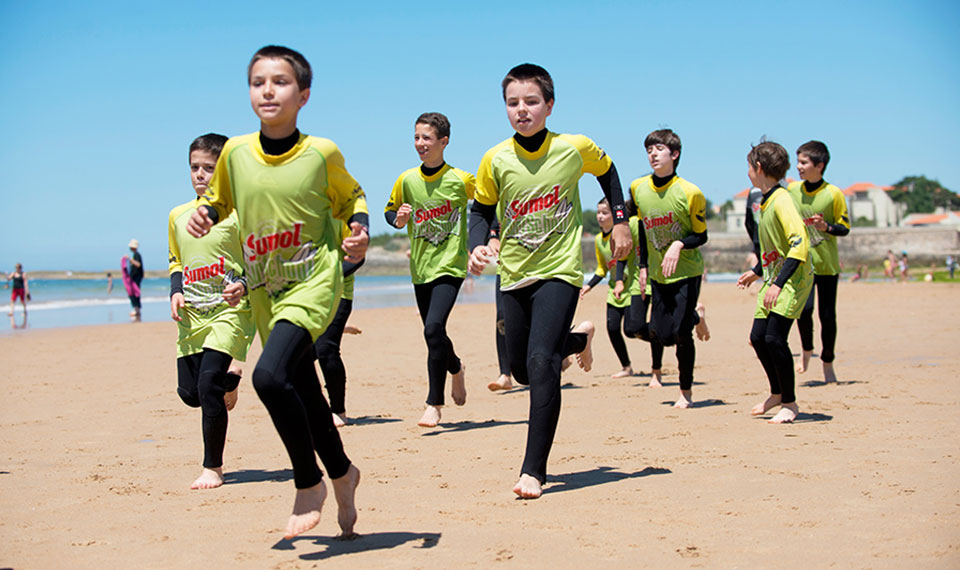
867,201
938,218
735,216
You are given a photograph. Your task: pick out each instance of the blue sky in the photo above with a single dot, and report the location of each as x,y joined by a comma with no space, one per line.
102,99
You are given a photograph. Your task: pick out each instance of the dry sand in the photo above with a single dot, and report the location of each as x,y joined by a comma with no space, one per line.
98,453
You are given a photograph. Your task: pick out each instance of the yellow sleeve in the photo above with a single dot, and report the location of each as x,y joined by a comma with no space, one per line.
793,228
219,193
840,208
173,249
595,161
469,183
396,195
633,195
697,204
346,195
601,261
487,190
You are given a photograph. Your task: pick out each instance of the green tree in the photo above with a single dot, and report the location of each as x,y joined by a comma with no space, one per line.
922,195
590,224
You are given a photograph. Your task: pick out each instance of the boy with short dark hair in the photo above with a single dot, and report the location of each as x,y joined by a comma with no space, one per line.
285,188
787,278
214,321
530,182
823,208
433,199
673,215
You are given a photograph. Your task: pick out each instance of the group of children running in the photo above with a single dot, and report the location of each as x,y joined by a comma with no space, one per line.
278,225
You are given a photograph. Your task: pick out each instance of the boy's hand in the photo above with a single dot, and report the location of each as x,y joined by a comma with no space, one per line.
355,245
233,292
585,290
642,277
403,214
176,303
479,258
670,259
770,299
818,222
494,245
618,289
621,241
199,223
746,279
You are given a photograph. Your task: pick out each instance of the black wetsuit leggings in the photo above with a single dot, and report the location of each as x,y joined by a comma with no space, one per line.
672,317
202,380
537,325
769,340
287,383
635,325
503,357
328,356
826,289
435,300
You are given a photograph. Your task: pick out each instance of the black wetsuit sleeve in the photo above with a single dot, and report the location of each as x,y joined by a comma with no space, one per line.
211,213
363,218
594,280
790,265
495,229
176,283
694,241
837,230
481,219
613,192
349,268
758,268
391,216
621,265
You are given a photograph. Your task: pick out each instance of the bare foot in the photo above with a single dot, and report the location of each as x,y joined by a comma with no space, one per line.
339,420
230,398
566,363
685,400
344,490
431,417
829,376
786,415
656,378
458,388
772,401
350,329
585,358
208,479
501,383
703,333
528,487
804,361
625,372
306,510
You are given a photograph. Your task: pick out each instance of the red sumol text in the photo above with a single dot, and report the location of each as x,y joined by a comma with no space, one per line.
194,274
261,246
421,215
657,221
770,257
522,208
808,221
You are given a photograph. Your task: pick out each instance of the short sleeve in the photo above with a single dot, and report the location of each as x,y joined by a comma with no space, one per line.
697,206
487,190
219,194
793,228
396,195
173,248
595,161
346,195
601,262
840,209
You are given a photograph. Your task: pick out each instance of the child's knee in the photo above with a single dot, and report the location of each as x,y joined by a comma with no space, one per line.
434,333
757,338
266,383
189,397
540,365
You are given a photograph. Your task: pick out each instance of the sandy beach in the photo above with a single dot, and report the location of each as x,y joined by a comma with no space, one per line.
98,453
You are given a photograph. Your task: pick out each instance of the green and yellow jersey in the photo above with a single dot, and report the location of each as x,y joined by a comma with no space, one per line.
437,227
285,205
782,235
538,205
348,280
606,263
209,264
827,200
670,213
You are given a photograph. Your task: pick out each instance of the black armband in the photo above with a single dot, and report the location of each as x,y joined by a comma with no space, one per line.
837,229
621,265
391,216
758,268
176,283
363,218
481,219
790,265
594,281
610,184
349,267
694,241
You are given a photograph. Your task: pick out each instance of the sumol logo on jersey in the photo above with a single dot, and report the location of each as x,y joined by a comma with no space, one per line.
272,271
532,221
436,221
255,247
662,229
194,274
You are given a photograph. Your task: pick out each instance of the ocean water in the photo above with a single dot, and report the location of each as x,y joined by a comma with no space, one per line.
78,302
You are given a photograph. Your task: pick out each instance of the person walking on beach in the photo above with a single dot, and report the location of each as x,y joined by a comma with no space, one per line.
431,201
20,288
133,265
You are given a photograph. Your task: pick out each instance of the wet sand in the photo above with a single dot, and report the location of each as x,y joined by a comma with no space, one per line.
97,453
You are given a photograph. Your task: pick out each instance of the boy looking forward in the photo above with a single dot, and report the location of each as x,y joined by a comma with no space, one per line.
530,183
285,188
214,321
673,216
787,277
824,211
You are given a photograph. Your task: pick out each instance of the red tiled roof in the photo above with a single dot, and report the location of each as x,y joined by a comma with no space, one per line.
931,219
742,194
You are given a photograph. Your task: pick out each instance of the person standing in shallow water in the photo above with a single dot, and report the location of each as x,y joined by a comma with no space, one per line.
134,263
20,288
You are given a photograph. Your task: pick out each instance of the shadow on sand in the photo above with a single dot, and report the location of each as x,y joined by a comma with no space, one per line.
451,427
699,403
371,420
803,418
522,388
256,476
596,476
359,543
821,383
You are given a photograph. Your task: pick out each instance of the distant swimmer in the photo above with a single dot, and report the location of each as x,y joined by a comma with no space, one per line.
132,266
20,288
